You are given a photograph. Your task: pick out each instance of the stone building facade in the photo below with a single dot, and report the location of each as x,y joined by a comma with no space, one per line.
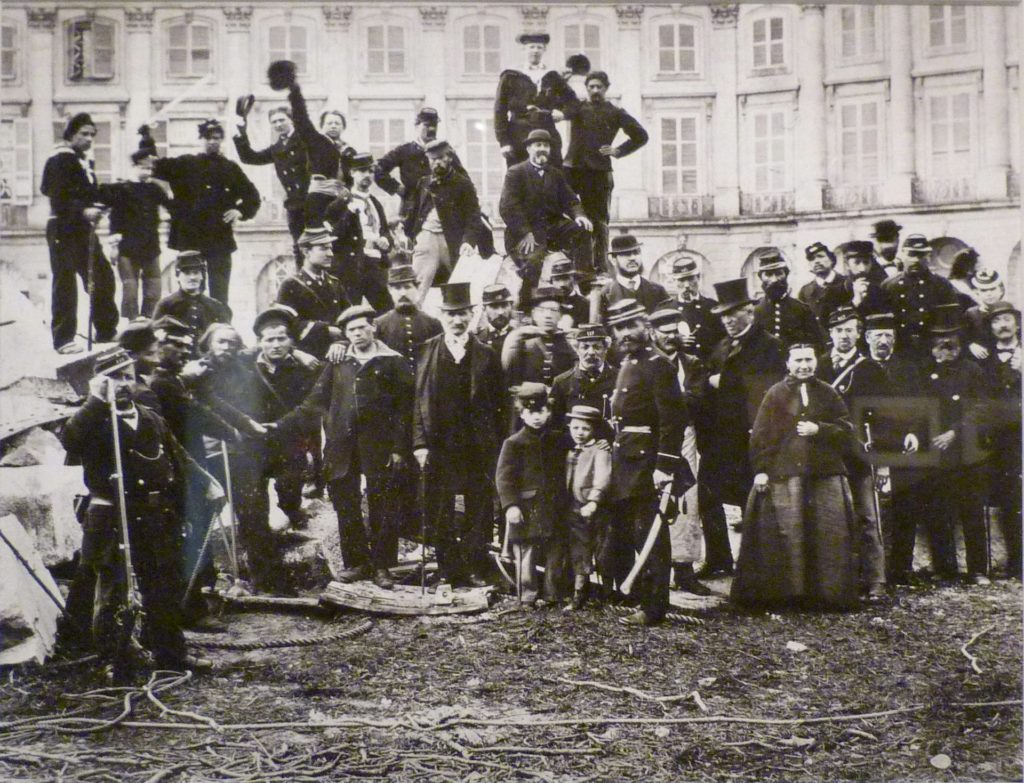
770,124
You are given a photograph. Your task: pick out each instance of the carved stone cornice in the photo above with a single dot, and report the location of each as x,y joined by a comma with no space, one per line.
239,17
535,17
724,16
434,17
139,18
337,17
630,16
42,18
812,8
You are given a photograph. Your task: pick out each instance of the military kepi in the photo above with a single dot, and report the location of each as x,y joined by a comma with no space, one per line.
190,259
624,311
531,395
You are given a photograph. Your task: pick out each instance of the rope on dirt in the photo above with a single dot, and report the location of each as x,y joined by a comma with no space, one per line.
972,658
677,616
288,641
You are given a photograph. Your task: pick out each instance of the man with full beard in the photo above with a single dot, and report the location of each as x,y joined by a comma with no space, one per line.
863,287
629,281
498,317
778,313
405,328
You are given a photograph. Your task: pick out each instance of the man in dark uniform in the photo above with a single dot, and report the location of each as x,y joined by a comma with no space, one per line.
189,304
536,205
588,164
913,294
211,195
575,306
366,401
778,313
703,329
827,290
458,425
405,328
538,352
288,154
316,296
497,321
591,382
155,471
741,369
649,418
886,236
863,287
629,282
70,183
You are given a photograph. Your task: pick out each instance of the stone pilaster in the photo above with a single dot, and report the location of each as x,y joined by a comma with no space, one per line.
40,81
811,134
725,175
430,59
629,172
897,187
992,181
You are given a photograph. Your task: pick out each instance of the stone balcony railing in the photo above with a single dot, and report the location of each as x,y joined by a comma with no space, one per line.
780,202
680,206
850,196
942,190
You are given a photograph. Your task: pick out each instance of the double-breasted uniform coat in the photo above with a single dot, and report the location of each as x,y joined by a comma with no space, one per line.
318,300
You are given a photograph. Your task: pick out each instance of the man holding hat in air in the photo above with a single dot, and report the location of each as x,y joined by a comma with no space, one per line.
778,312
69,181
189,304
538,352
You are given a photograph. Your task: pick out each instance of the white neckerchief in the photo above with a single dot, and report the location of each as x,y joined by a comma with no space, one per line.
457,345
130,418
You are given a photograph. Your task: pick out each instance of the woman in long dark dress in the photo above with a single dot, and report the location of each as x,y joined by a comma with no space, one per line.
800,535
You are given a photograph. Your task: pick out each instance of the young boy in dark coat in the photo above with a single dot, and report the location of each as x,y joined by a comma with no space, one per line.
531,487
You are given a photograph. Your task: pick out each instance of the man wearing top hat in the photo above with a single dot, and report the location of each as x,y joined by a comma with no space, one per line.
405,328
629,282
778,312
649,418
189,304
588,162
955,488
914,294
287,153
538,352
591,382
886,236
70,183
376,232
366,402
703,329
542,213
458,426
316,296
741,369
444,219
211,195
827,290
863,287
498,317
575,306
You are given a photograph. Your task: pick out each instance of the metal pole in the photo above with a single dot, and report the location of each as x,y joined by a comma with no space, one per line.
198,564
874,487
423,527
90,282
34,575
134,601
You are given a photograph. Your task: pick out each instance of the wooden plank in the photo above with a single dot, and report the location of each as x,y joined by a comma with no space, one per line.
407,599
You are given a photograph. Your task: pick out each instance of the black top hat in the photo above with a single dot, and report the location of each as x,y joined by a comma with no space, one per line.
275,314
496,294
841,315
190,259
137,335
456,296
886,230
859,248
114,359
771,259
731,294
945,319
684,266
879,321
538,134
546,293
401,273
315,235
917,244
350,314
665,315
624,243
360,161
281,74
590,333
579,64
584,413
76,123
428,115
818,247
529,38
623,311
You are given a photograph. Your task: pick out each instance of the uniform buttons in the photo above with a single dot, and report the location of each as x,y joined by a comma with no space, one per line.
935,376
956,398
142,483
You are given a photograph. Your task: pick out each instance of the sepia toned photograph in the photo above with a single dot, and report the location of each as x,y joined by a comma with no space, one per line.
471,391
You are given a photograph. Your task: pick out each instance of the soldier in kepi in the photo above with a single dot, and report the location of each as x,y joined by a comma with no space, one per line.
189,304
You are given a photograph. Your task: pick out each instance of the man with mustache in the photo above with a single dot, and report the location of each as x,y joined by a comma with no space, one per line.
538,352
498,317
405,328
989,291
700,329
629,282
886,234
575,306
827,290
591,382
914,294
862,289
779,313
377,238
542,214
189,304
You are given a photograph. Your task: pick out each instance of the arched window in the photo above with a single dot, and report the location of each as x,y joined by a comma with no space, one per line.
189,48
90,49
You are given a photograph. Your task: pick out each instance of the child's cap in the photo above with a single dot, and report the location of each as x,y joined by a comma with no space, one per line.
531,395
585,413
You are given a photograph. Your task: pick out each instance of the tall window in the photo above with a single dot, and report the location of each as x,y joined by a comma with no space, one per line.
384,135
481,48
9,53
950,134
177,136
586,39
90,50
677,48
947,26
16,161
679,172
189,49
769,42
770,161
385,49
859,143
483,160
858,32
290,42
101,151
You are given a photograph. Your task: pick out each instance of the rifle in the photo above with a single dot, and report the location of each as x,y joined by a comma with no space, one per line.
423,526
652,536
199,563
90,281
874,484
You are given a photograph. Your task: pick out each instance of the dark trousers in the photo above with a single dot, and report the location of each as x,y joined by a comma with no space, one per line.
595,191
633,518
380,549
460,540
197,559
564,235
715,487
69,256
1006,496
373,274
296,224
155,549
218,274
135,272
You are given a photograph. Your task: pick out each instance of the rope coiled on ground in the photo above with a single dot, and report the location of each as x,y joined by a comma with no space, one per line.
288,641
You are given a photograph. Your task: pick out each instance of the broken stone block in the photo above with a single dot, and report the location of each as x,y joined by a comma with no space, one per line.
43,497
28,616
34,447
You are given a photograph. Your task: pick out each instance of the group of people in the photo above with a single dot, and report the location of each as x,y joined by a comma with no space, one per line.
584,427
